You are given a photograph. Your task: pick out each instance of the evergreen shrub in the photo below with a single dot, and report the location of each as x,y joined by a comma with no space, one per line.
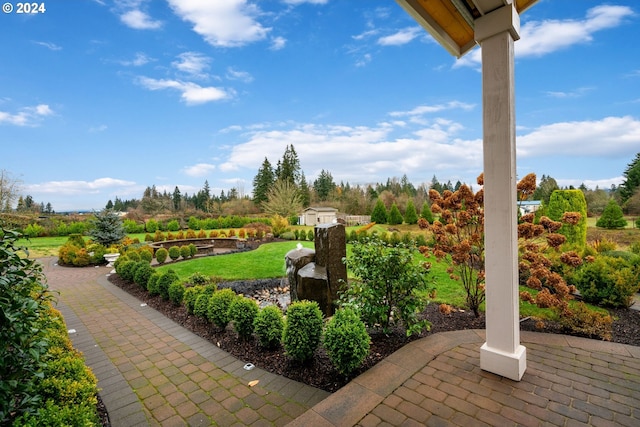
161,255
346,341
185,252
242,313
218,308
268,326
142,274
176,292
166,279
609,281
302,330
174,252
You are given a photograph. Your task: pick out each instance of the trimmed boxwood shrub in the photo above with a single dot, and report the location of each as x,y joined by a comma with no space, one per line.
127,270
242,312
193,250
201,304
346,341
161,255
164,281
218,309
152,283
176,292
174,252
185,252
268,326
142,274
302,330
191,294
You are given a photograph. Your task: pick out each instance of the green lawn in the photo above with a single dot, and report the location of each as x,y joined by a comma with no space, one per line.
263,263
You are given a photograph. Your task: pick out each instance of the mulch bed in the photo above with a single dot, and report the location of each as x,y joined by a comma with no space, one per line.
320,372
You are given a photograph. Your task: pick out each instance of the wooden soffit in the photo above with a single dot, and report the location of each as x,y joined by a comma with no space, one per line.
451,22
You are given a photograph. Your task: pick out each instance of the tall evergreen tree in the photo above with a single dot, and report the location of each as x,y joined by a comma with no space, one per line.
544,190
176,197
289,168
379,214
410,214
631,179
324,185
426,213
394,217
304,191
263,182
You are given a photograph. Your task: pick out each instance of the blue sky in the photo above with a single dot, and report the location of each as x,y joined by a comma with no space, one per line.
102,98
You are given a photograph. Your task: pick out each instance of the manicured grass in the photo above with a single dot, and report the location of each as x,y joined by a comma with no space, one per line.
43,246
263,263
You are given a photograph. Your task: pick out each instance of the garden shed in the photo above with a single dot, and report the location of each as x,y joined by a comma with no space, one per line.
318,215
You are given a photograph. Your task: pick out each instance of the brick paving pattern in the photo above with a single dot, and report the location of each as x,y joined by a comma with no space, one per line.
152,371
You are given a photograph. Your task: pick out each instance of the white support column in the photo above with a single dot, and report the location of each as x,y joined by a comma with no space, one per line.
502,353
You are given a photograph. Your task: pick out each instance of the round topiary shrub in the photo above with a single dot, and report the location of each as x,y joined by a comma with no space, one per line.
161,255
193,250
268,326
174,252
142,274
346,341
126,270
152,284
164,281
201,304
302,330
133,255
218,309
242,312
185,252
146,254
176,292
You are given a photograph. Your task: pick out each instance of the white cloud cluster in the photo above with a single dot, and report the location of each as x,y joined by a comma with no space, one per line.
191,93
78,187
200,169
538,38
28,116
401,37
228,23
139,20
194,64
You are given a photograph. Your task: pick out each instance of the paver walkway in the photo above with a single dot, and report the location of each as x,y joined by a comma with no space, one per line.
154,372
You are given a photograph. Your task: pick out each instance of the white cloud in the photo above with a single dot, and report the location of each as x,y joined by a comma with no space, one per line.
191,93
78,187
361,154
139,20
610,136
200,169
49,45
278,43
28,116
139,60
193,63
243,76
228,23
538,38
401,37
577,93
429,109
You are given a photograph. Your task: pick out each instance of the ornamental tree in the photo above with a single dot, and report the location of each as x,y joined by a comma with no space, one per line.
612,217
107,228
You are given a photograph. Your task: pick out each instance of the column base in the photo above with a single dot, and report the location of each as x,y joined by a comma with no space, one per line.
508,365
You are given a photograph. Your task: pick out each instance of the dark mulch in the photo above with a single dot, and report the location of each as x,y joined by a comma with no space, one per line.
320,372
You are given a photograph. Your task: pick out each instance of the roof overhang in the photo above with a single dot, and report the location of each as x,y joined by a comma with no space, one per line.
451,22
